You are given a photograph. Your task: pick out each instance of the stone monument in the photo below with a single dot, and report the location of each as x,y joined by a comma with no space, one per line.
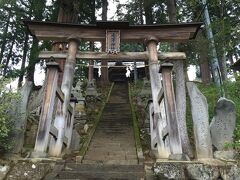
223,123
200,118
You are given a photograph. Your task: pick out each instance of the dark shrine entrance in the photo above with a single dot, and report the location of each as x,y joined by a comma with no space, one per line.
118,73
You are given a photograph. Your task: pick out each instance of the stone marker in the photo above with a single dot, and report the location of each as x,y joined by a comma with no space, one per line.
223,123
146,91
91,89
75,141
200,118
77,91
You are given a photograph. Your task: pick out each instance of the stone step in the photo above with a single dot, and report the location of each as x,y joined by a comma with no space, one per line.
109,157
107,132
114,137
112,144
112,153
118,126
128,129
101,167
112,162
86,175
113,147
118,119
108,125
112,140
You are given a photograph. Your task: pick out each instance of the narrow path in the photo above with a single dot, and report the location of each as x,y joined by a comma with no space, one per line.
113,141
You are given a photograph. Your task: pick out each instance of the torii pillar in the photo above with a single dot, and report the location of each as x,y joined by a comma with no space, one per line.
156,86
174,137
69,69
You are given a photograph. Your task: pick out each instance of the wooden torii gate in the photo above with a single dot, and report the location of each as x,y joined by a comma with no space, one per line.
113,32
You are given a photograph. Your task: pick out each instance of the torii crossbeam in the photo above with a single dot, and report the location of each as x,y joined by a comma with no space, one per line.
137,33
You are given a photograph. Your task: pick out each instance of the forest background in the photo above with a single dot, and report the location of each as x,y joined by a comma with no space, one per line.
19,50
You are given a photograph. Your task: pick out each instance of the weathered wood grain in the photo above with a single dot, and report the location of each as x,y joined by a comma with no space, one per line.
69,126
156,86
64,108
61,32
171,110
46,116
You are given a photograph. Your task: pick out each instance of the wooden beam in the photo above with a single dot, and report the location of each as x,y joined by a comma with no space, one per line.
127,56
137,33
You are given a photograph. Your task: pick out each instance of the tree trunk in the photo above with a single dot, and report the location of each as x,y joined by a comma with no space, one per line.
223,63
104,68
180,88
24,58
67,12
8,57
21,119
204,62
205,69
32,60
215,62
4,41
148,5
232,62
104,10
171,8
141,11
91,63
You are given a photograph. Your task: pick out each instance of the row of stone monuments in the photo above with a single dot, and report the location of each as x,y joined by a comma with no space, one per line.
220,131
210,139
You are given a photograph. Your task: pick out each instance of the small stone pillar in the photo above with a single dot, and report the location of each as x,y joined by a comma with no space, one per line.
171,110
46,116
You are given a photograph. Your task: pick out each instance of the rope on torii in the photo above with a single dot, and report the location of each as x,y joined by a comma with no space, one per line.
117,66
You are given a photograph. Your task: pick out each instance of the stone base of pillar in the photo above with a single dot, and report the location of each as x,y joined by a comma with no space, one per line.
37,154
178,157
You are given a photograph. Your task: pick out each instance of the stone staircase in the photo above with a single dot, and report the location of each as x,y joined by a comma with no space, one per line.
112,152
